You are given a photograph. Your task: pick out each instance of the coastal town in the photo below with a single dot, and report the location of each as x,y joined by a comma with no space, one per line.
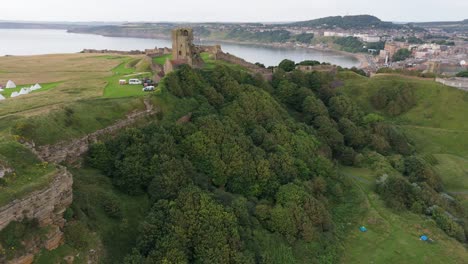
430,49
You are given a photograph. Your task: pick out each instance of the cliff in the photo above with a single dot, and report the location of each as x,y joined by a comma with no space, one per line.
70,151
47,206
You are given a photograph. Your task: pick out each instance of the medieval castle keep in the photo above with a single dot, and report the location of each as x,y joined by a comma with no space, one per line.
182,45
184,51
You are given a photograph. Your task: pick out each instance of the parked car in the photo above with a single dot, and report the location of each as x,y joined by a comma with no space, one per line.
134,81
148,89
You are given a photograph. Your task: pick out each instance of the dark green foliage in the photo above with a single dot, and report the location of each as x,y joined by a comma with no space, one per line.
350,44
305,38
192,228
313,108
394,137
266,36
463,74
287,65
99,157
12,236
397,192
206,176
401,55
111,206
415,40
347,22
418,170
77,235
354,135
309,63
342,106
395,100
446,223
253,169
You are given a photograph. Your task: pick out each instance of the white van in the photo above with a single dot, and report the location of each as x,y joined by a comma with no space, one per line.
148,89
134,81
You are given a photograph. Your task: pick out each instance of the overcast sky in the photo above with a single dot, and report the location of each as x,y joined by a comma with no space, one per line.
229,10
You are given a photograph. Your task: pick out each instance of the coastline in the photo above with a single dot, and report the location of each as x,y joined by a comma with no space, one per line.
360,57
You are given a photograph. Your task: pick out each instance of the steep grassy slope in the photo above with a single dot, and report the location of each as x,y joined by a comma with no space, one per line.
437,125
393,237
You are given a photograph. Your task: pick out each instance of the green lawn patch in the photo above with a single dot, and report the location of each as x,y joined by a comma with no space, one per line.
162,59
454,170
115,90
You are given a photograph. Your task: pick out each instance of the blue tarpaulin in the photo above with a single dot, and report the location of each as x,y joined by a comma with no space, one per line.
363,229
424,238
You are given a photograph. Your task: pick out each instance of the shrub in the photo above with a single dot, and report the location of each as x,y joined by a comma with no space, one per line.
76,235
111,206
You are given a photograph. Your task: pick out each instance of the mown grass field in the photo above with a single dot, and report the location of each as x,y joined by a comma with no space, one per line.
393,237
162,59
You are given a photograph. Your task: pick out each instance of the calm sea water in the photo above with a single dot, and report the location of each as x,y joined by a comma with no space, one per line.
35,42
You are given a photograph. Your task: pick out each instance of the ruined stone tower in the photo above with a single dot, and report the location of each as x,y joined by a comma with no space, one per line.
182,45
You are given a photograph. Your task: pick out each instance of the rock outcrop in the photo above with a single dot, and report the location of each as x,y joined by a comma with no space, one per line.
4,170
46,205
71,151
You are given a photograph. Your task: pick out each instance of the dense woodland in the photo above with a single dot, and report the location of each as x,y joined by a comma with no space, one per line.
255,168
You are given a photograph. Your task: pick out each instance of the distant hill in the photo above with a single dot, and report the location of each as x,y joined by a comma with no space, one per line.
346,22
441,23
448,26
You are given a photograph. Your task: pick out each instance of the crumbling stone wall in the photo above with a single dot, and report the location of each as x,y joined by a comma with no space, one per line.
266,73
70,151
106,51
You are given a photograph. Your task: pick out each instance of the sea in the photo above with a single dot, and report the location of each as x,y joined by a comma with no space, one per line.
19,42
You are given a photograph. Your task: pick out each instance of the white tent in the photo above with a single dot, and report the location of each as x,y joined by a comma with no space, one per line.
10,84
14,94
36,87
2,97
25,91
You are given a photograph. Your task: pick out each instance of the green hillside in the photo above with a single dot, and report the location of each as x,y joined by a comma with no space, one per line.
345,22
437,124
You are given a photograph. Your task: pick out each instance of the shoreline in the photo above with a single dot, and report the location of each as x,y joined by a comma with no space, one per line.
360,57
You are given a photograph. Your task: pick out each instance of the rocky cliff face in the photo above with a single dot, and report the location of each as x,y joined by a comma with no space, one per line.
47,206
70,151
